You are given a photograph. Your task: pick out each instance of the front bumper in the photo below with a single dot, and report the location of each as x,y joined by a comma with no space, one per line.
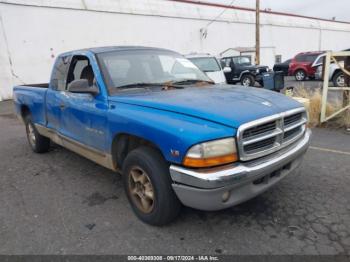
204,188
318,75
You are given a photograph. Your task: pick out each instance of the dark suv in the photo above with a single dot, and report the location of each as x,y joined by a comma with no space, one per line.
243,71
301,65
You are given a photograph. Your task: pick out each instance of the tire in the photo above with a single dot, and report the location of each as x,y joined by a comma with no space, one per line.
338,79
247,80
37,142
147,183
300,75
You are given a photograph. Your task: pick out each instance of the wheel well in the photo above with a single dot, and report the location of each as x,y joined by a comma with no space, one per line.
300,69
24,111
124,143
247,73
336,72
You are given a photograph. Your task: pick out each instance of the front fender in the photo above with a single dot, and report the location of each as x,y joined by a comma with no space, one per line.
167,130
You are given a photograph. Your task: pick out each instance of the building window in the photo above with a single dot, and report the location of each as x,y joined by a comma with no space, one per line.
278,58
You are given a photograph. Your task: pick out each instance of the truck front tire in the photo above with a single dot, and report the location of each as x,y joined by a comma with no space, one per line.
247,80
38,143
300,75
147,183
338,79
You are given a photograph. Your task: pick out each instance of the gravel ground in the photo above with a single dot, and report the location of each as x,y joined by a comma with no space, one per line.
61,203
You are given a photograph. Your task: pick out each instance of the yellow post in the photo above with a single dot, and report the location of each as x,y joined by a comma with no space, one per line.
326,64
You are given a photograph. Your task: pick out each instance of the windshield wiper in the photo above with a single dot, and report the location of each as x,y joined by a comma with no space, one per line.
147,85
143,85
190,81
172,84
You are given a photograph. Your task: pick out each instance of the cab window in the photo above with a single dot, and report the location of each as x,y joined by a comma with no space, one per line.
80,68
59,73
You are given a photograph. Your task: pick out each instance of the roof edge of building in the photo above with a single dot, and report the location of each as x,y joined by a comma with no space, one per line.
253,10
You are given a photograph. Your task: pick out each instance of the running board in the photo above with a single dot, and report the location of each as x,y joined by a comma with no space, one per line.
88,152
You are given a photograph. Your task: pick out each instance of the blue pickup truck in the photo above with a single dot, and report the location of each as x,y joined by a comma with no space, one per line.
176,137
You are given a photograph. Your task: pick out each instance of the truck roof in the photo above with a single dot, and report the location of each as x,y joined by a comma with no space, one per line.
198,55
103,49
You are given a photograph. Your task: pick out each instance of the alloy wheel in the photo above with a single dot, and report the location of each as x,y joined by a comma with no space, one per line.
246,82
340,81
141,190
300,75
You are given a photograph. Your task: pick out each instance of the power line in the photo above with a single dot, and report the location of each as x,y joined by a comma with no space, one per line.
223,11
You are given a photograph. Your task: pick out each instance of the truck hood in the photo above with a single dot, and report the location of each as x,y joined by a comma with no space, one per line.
224,104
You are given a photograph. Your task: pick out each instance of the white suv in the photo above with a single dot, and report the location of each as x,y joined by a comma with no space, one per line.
335,73
210,66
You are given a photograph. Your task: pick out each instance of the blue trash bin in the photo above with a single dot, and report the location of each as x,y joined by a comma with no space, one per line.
278,81
268,80
273,81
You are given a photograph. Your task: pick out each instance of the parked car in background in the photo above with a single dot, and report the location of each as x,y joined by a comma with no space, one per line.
176,137
242,70
210,66
282,67
335,73
301,65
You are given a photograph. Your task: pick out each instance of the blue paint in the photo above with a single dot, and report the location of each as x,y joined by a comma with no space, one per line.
173,119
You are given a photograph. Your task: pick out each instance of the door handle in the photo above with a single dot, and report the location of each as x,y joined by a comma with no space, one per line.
62,106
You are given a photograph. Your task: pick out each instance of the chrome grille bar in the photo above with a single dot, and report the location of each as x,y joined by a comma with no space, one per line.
260,138
270,134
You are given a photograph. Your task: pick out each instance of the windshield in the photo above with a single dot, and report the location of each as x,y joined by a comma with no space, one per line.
241,60
206,64
125,68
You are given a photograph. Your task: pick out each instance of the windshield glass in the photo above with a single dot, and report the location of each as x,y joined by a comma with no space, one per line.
206,64
241,60
125,68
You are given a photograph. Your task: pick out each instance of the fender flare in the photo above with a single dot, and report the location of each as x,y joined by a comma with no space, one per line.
241,74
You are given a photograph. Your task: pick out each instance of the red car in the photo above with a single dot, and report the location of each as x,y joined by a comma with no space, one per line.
300,66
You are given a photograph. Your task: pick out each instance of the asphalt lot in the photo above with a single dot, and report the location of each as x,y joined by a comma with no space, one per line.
61,203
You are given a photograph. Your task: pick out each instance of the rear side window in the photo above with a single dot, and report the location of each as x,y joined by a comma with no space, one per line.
59,73
226,62
306,58
311,58
300,58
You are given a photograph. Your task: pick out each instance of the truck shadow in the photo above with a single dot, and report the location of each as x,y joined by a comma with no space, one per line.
266,209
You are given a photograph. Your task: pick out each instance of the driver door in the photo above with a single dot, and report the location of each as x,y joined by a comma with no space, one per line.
84,116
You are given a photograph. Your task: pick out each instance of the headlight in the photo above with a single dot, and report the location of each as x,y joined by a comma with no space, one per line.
257,71
212,153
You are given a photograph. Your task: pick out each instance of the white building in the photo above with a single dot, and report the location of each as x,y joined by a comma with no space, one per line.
33,32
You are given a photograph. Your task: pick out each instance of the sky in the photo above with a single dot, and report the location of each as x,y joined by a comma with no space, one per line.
317,8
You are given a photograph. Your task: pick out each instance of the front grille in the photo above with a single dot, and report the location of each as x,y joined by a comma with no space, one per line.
257,130
263,70
291,133
264,144
268,135
292,119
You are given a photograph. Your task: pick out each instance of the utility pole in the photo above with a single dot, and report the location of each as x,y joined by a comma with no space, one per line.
346,93
257,32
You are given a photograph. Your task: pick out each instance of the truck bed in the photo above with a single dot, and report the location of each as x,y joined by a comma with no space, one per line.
42,85
32,97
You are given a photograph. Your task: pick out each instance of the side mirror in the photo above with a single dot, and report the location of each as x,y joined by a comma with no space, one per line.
82,86
227,69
